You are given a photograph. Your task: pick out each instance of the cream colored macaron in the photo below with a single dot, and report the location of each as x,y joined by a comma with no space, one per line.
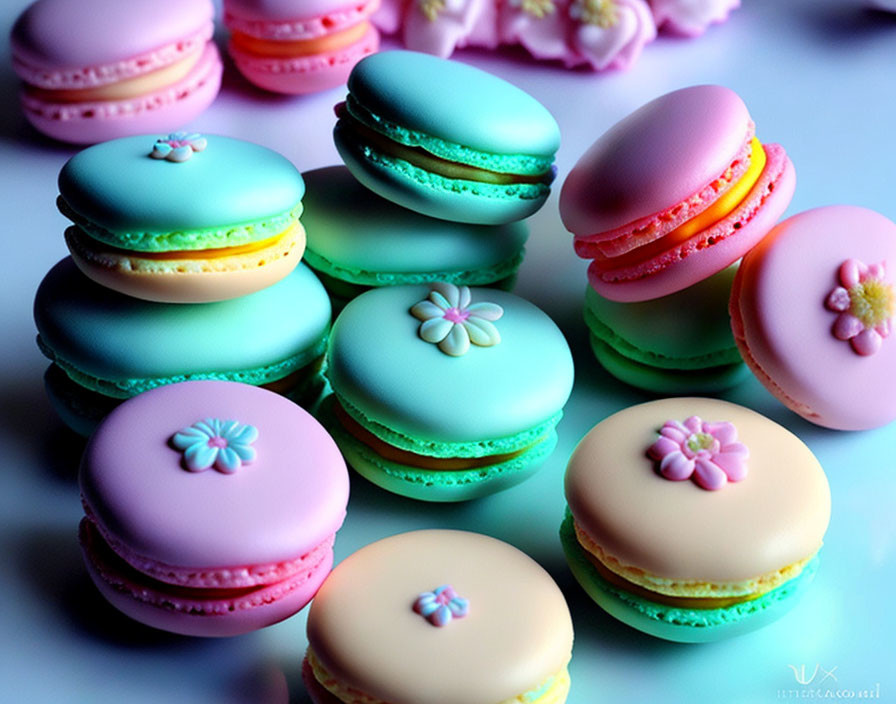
694,519
439,617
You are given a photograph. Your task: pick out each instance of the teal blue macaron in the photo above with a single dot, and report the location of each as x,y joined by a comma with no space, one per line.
358,240
106,347
446,139
445,393
677,344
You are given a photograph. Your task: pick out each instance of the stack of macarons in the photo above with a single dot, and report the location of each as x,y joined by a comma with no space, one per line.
663,204
185,264
431,190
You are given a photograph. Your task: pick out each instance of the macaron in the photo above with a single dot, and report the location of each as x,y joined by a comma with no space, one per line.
445,393
358,240
99,69
694,519
677,344
438,617
106,346
812,309
211,507
485,156
185,218
299,47
674,193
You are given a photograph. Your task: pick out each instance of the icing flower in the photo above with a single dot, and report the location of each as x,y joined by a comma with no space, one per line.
866,304
222,443
690,18
438,27
708,453
452,322
536,8
441,605
178,146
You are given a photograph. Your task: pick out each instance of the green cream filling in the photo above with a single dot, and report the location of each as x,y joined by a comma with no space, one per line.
186,240
525,164
698,618
125,388
483,448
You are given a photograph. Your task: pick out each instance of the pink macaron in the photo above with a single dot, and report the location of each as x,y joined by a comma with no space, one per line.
673,194
211,507
299,47
100,69
812,309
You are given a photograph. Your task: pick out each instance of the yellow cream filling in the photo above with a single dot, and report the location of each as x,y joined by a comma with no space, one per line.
723,206
302,47
683,593
412,459
129,88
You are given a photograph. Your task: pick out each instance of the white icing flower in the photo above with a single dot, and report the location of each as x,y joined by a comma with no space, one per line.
178,146
452,322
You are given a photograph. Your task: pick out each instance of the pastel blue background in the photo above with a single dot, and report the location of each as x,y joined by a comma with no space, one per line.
818,77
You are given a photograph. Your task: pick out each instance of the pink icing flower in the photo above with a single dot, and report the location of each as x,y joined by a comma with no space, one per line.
866,303
439,26
706,452
441,605
178,146
690,18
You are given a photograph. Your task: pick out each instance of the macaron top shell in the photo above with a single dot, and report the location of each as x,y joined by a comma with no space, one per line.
779,307
773,517
279,505
485,113
94,39
221,196
112,336
379,364
374,235
274,10
517,633
663,153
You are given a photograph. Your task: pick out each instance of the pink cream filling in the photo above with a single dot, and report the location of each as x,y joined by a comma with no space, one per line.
95,76
301,28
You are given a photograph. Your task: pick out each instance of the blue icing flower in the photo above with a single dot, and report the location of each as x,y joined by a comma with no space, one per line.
441,605
452,322
222,443
178,146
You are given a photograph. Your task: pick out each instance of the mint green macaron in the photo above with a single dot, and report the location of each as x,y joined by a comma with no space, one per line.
446,139
106,347
677,344
358,240
445,393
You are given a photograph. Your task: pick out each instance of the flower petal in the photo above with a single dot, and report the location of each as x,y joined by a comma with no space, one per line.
676,466
227,461
733,464
200,456
439,301
464,297
449,292
709,475
847,326
197,142
243,451
187,437
722,431
426,310
244,434
441,616
877,271
662,447
459,607
867,342
457,342
838,300
482,332
885,328
694,424
675,432
179,154
436,329
851,272
485,310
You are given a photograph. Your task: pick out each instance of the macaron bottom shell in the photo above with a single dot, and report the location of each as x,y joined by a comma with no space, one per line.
668,381
435,195
161,111
179,610
434,485
680,624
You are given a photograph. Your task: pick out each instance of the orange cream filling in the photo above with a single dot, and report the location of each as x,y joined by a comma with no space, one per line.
723,206
412,459
429,162
129,88
301,47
